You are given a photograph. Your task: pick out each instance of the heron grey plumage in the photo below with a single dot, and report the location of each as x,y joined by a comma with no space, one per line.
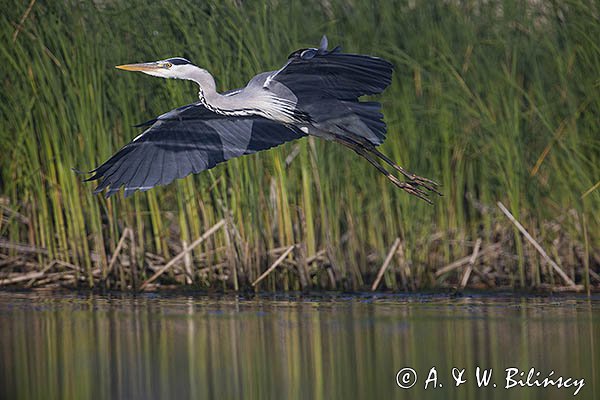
317,92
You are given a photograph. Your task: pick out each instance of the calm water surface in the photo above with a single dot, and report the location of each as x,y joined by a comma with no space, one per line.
57,346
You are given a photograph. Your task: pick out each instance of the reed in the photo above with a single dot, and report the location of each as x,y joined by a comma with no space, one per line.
499,102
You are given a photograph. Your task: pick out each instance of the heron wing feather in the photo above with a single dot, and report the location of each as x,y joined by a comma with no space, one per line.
327,85
187,140
311,73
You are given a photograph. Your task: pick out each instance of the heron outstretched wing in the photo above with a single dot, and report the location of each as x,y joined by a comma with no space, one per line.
313,72
327,86
187,140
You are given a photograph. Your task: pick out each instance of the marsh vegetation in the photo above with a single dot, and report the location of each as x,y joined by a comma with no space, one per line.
498,102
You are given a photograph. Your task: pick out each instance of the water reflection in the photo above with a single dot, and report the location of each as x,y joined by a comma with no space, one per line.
75,347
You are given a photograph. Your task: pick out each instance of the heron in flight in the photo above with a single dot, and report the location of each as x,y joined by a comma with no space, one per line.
315,93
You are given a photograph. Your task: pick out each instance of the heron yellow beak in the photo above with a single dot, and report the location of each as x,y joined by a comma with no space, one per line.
150,66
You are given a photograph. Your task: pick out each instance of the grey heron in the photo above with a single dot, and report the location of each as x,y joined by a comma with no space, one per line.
317,92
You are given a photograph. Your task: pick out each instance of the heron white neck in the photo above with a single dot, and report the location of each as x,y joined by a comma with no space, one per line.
208,93
202,77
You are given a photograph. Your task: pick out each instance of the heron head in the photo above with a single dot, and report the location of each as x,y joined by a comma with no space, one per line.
176,67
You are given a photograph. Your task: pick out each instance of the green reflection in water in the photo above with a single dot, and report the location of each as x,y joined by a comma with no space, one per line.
76,347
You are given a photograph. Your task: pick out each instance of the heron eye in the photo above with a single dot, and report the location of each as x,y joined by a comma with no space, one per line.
168,65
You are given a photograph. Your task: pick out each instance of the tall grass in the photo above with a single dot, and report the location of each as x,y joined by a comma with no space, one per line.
497,101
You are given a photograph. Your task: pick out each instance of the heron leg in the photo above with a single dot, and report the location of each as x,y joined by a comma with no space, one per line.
413,179
416,181
408,187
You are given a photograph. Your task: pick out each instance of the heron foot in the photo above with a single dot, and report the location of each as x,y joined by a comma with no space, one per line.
413,179
419,181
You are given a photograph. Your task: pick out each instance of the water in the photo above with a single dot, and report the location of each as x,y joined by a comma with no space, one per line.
292,347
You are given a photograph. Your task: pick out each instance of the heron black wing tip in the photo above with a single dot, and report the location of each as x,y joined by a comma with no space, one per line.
99,189
91,178
111,190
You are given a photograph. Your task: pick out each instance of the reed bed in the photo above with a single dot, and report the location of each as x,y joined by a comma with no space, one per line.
498,101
